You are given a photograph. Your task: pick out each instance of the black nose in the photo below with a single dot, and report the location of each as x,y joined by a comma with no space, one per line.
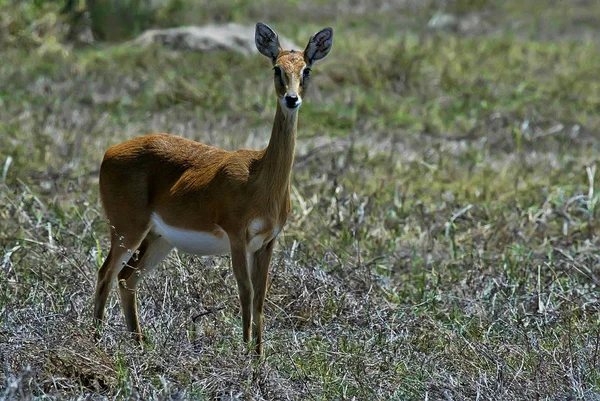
291,100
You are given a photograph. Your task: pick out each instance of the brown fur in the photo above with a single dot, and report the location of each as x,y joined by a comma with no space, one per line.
201,188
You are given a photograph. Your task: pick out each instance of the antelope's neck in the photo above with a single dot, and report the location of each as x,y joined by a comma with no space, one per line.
279,155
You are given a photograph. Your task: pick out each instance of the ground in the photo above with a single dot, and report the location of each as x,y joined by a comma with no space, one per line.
444,238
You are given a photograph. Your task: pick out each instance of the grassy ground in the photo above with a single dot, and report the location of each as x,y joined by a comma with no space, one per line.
444,239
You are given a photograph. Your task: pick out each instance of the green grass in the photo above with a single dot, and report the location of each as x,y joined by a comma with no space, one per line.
444,235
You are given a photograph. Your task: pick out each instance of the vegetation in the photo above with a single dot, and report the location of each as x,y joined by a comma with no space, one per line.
445,236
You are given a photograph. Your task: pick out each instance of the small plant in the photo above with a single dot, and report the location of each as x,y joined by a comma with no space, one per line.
593,198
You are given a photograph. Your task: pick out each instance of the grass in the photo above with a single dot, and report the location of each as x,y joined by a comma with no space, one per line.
444,237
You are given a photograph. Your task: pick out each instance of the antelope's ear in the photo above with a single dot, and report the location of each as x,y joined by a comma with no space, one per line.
267,41
318,46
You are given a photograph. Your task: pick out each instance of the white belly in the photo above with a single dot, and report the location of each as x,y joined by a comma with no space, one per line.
196,242
204,243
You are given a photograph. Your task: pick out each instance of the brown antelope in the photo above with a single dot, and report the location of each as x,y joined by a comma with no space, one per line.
160,191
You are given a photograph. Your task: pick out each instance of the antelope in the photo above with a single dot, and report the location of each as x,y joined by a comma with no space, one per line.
161,191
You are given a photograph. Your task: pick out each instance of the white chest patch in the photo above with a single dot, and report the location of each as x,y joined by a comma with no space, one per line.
196,242
255,226
255,241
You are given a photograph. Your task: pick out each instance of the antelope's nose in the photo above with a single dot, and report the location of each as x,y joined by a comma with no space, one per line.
292,101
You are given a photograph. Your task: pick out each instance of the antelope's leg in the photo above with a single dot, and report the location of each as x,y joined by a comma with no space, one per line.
239,262
121,250
152,251
260,275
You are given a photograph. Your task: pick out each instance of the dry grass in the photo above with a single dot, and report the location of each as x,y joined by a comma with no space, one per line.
444,239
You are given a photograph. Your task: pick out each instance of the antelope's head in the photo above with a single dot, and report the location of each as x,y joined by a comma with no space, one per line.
292,68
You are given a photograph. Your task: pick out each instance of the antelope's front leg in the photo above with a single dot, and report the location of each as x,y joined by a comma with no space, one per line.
260,275
239,262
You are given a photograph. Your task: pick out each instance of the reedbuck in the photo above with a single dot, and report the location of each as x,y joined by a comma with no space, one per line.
161,191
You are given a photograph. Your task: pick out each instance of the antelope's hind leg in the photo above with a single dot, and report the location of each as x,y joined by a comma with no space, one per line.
122,249
152,251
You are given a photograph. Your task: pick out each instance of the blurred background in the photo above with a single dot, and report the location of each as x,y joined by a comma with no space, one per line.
444,236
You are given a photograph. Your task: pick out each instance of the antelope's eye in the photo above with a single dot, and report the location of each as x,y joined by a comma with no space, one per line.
277,70
306,72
